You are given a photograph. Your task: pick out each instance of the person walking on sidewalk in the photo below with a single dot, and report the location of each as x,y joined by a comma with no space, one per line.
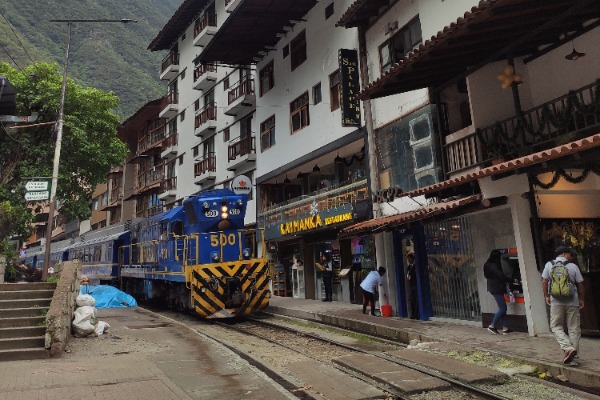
411,277
327,267
563,289
496,286
369,287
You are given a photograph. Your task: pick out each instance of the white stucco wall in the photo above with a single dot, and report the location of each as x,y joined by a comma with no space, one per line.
323,40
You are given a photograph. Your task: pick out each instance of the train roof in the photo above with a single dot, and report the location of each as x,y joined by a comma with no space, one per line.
99,239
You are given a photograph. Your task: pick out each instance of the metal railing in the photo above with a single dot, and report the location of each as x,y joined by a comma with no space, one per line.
244,87
323,199
566,118
241,146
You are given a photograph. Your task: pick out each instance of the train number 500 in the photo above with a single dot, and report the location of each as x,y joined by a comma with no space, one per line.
222,240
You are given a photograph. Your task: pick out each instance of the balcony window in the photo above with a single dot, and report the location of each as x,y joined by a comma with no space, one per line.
402,43
267,133
316,92
298,50
267,78
299,116
334,90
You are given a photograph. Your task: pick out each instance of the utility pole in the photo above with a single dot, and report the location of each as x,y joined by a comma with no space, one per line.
59,131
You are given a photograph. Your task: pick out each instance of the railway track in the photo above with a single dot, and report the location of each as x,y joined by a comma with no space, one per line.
302,356
288,337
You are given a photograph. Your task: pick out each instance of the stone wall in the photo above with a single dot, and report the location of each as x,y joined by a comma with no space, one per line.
62,307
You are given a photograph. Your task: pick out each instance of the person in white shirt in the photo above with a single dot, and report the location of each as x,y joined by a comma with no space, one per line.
567,309
369,287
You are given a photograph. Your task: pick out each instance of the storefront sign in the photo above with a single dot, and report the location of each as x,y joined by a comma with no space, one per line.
241,184
319,221
349,87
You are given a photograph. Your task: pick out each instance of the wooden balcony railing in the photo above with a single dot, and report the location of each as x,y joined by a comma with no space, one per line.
242,88
208,19
205,114
152,136
170,59
115,194
168,184
170,98
149,178
241,147
566,118
170,141
157,209
207,164
201,69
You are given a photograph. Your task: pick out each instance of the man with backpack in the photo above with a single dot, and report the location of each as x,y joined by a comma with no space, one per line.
563,288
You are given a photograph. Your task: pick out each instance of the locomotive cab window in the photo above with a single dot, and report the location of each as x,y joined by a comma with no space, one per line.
177,228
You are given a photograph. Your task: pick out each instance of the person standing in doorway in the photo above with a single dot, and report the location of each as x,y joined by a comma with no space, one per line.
496,286
369,287
411,278
563,289
326,266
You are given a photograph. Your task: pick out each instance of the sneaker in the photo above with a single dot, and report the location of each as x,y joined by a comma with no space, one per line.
574,364
506,331
493,330
569,354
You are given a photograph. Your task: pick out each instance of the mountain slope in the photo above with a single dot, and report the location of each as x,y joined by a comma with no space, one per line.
109,56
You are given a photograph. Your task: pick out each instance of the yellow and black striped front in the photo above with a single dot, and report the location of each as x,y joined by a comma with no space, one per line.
229,289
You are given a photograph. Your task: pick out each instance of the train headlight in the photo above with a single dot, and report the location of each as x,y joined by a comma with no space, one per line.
240,203
214,256
246,252
205,205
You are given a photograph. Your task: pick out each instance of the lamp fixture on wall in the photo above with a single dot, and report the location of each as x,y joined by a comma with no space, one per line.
316,168
574,55
338,159
286,180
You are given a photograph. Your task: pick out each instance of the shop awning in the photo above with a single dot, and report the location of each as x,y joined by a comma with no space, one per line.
251,28
492,31
392,221
520,163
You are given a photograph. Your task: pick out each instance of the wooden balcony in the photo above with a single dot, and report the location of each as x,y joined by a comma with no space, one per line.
204,29
169,105
205,169
168,188
567,118
205,76
149,179
169,148
206,120
169,68
240,152
241,97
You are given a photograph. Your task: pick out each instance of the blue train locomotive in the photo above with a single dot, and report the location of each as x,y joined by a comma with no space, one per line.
199,256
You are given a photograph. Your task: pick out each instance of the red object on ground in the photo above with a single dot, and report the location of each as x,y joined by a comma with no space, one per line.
386,310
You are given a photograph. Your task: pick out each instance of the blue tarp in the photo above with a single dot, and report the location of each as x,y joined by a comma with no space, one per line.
109,296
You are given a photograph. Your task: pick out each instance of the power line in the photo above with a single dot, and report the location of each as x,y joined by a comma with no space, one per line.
11,57
19,40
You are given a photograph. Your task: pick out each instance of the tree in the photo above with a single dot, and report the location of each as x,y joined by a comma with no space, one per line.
90,146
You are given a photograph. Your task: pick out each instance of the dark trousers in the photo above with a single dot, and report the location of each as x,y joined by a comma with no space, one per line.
499,319
368,297
414,303
328,281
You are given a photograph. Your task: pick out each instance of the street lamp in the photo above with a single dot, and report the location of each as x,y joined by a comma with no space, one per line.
59,129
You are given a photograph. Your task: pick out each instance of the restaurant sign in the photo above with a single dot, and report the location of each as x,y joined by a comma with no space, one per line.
318,221
349,87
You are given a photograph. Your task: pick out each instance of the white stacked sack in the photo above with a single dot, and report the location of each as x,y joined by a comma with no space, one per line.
85,322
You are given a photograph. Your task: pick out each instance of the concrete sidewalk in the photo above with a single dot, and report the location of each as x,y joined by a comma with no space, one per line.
541,351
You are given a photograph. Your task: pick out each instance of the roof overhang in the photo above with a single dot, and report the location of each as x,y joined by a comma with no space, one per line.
362,12
251,28
392,221
492,31
187,12
516,165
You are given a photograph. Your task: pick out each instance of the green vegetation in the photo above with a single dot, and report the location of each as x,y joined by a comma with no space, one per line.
108,56
90,146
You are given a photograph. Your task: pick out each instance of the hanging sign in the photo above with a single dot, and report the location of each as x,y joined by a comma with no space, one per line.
349,87
38,190
241,184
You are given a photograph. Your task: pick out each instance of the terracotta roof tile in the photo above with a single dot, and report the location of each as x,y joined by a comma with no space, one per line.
511,165
382,223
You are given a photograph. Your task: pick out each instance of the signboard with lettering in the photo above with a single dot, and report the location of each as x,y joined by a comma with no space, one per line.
37,190
349,87
241,184
319,221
